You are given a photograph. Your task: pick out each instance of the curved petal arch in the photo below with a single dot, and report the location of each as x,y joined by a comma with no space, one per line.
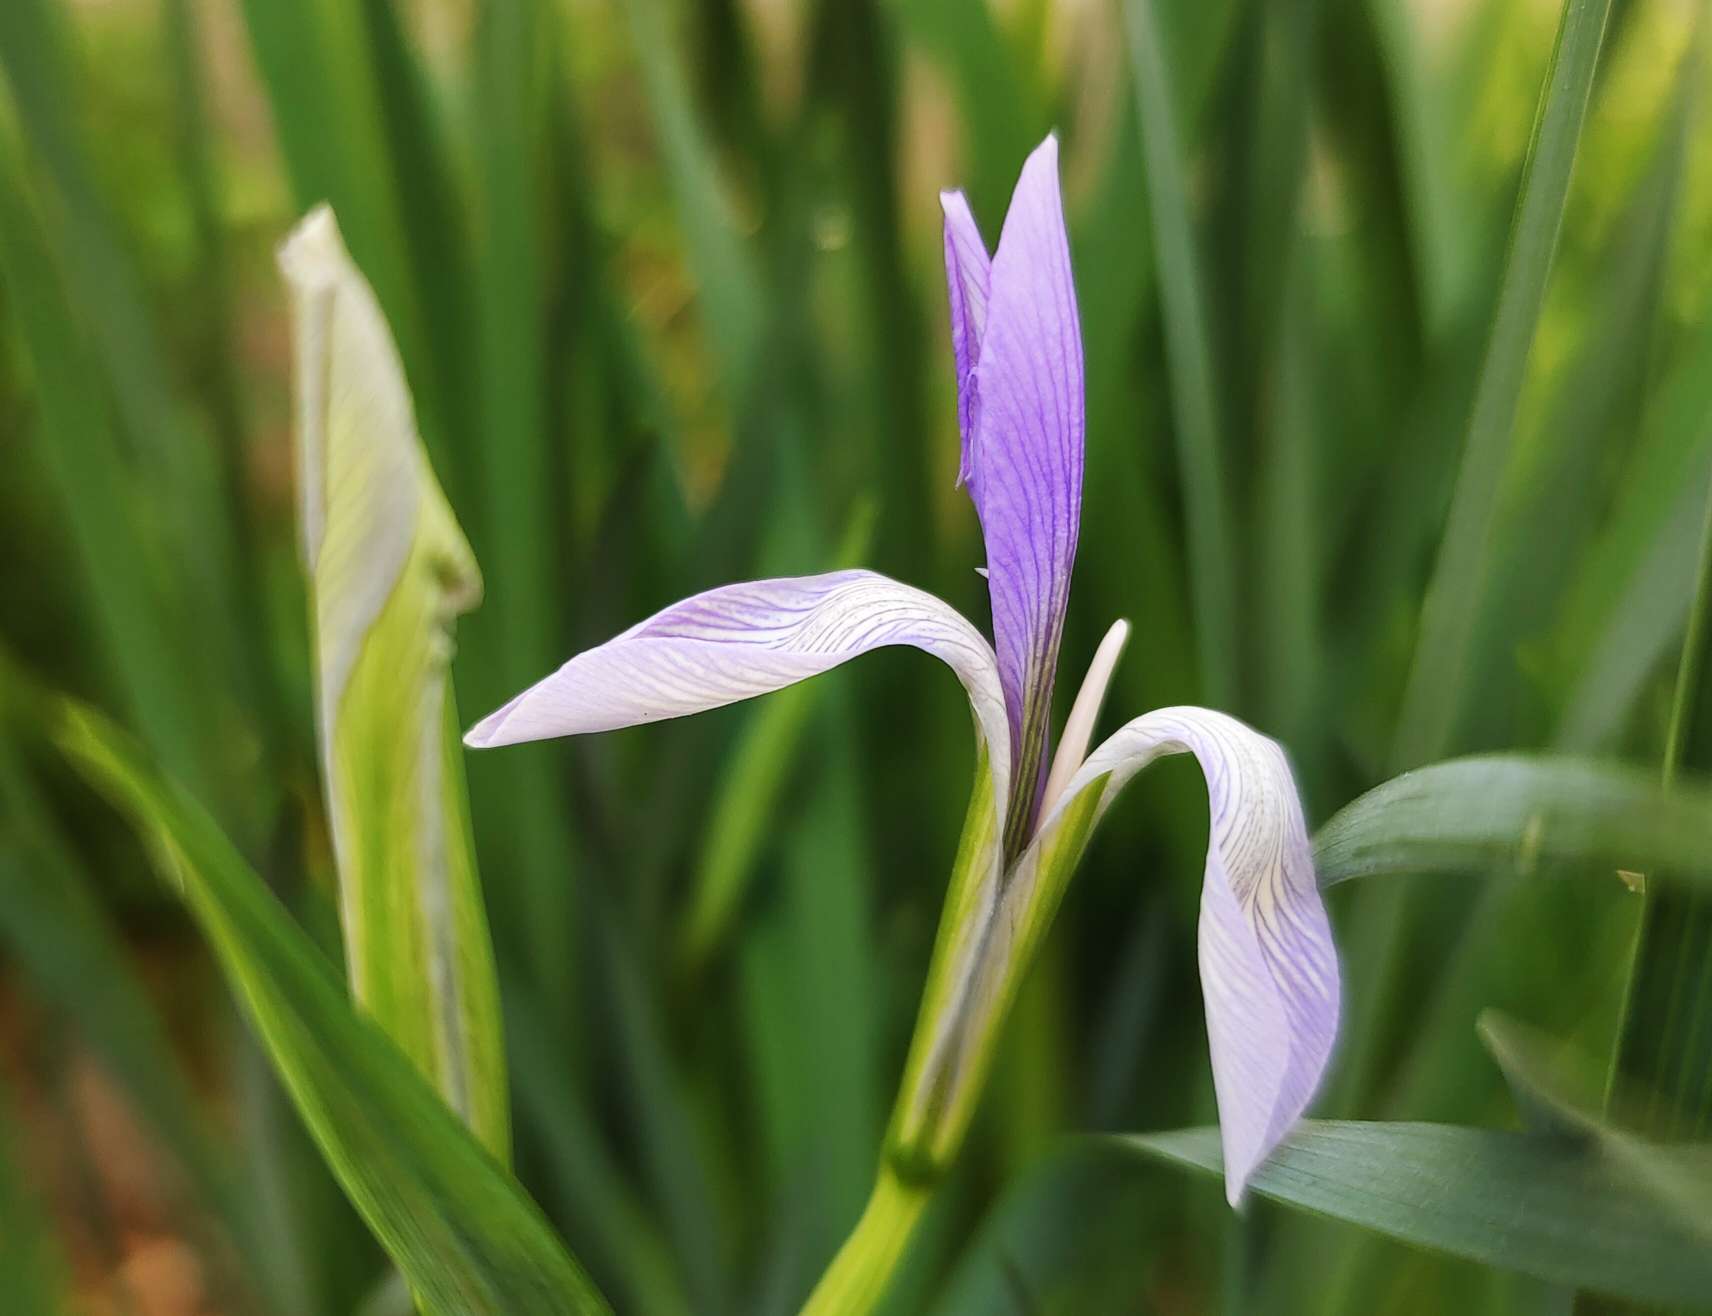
740,641
1269,970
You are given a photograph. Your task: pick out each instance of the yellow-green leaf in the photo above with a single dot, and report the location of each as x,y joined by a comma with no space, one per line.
389,571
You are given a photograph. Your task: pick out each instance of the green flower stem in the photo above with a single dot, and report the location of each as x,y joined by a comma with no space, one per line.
863,1269
988,936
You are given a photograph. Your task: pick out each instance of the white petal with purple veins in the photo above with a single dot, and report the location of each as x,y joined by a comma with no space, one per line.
1269,971
740,641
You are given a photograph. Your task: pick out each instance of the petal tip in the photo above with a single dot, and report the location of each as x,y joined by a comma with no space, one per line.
489,733
1241,1165
311,253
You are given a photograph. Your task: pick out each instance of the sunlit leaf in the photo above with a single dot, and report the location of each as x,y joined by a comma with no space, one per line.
1438,681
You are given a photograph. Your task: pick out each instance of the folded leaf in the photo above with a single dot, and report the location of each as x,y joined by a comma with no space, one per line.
389,571
465,1235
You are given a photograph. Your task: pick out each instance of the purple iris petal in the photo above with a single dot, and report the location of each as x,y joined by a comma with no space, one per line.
1269,970
744,640
1019,369
967,271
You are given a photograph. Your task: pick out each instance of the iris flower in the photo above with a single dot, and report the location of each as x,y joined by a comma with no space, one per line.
1269,972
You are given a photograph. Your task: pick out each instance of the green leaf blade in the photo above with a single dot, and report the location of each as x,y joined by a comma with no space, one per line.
1522,812
1537,1205
1438,680
462,1231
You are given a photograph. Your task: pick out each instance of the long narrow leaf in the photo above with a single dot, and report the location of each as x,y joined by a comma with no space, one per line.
1438,681
1189,354
1544,1207
87,469
457,1225
66,945
29,1254
1524,813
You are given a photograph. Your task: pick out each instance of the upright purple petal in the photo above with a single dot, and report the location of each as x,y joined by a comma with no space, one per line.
1269,970
1022,408
744,640
967,271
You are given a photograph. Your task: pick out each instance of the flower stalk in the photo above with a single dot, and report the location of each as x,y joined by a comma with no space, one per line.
862,1271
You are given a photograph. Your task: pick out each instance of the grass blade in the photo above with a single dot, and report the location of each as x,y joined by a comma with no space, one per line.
1189,356
1522,813
614,1233
431,232
1061,1239
809,994
65,942
29,1255
1556,1098
79,451
1548,1208
456,1224
675,1164
1438,682
728,291
1664,1039
745,807
1000,102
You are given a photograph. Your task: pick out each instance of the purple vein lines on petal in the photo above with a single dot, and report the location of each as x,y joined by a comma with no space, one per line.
1021,404
739,641
1269,972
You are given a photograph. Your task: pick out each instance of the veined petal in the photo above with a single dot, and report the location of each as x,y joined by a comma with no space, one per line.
1269,971
1023,406
967,271
740,641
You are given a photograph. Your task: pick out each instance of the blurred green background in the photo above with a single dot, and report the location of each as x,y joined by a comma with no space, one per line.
666,276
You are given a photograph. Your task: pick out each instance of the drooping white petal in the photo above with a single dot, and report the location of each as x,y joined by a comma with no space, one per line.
1269,971
744,640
